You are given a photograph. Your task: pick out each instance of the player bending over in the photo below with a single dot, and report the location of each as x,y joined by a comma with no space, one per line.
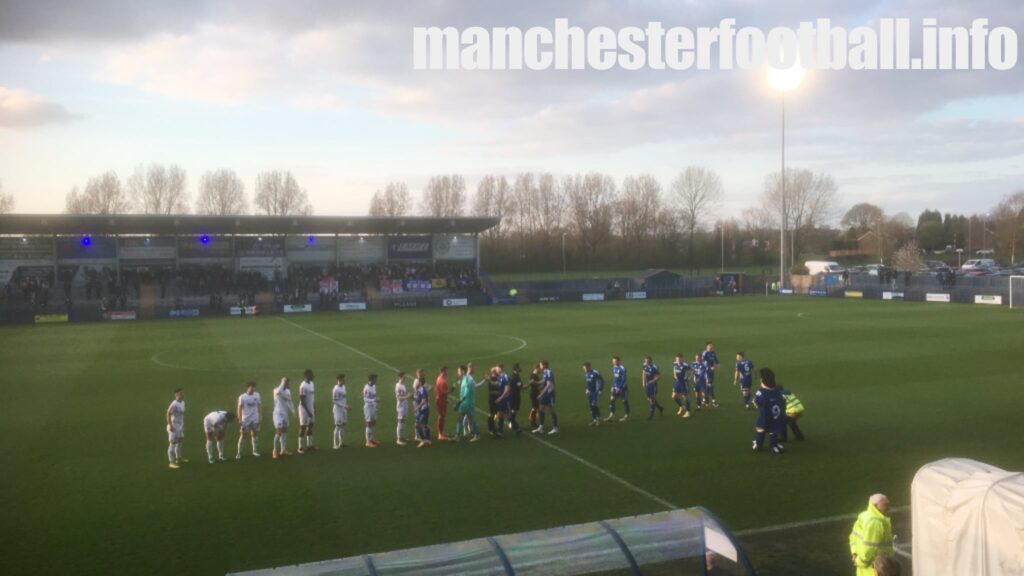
620,389
283,410
307,412
711,360
421,402
650,376
680,389
176,429
215,425
771,413
250,415
339,398
592,381
744,376
546,398
370,410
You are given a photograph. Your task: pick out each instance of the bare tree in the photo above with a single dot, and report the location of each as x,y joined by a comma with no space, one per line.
493,196
159,189
636,213
444,196
392,201
221,193
1009,216
590,201
809,202
696,192
103,194
908,257
6,201
278,194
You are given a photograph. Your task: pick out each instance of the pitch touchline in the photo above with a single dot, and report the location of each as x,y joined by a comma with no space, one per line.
660,501
808,523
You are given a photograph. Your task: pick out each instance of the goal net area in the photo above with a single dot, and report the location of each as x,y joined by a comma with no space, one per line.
1016,291
680,542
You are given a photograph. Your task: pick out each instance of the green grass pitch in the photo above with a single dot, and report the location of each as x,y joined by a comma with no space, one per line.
888,386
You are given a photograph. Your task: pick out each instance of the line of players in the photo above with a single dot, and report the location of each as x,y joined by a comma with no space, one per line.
504,402
701,372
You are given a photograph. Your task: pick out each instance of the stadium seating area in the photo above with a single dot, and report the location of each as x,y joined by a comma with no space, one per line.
302,284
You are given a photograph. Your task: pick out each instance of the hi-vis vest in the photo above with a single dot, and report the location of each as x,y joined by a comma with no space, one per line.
871,536
793,404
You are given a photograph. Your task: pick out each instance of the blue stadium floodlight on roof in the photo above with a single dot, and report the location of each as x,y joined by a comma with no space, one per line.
205,239
312,240
86,240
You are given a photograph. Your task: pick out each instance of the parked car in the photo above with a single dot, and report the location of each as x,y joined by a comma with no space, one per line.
815,267
934,267
977,264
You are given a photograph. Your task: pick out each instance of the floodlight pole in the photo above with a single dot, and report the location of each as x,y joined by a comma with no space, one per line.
563,255
782,216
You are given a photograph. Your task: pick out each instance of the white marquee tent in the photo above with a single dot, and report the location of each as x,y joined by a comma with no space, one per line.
968,519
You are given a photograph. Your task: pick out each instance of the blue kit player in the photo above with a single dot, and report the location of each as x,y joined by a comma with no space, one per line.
711,359
680,390
546,398
620,389
594,383
771,413
700,381
744,376
651,376
504,402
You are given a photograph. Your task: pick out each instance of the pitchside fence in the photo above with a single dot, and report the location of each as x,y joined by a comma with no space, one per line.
993,290
687,542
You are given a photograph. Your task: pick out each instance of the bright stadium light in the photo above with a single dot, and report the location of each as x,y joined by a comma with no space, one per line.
86,240
784,80
205,239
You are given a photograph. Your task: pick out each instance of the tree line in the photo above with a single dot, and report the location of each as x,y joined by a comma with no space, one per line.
590,221
160,189
596,221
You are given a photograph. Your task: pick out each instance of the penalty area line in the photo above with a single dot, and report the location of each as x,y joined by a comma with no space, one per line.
611,476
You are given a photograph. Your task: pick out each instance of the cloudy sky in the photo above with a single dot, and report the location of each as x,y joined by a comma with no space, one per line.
327,90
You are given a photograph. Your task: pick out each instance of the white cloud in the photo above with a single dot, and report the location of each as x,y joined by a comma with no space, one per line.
214,64
21,109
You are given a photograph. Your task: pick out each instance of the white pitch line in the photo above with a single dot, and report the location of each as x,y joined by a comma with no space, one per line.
809,523
342,344
660,501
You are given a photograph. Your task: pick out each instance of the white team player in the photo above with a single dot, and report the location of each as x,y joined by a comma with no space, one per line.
370,409
307,412
283,409
215,425
250,415
176,429
402,407
339,395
